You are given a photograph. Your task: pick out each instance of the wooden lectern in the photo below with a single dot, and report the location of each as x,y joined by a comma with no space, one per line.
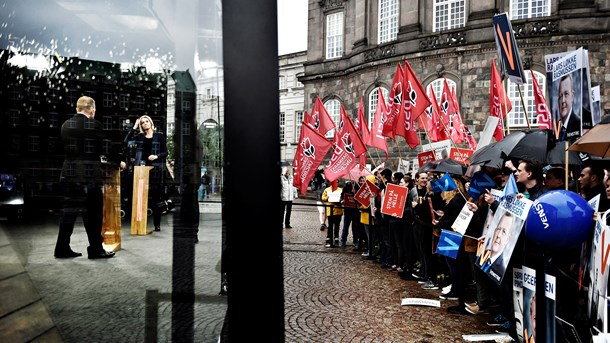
111,222
139,200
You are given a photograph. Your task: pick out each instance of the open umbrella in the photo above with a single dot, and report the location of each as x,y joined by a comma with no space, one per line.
447,165
489,155
427,167
557,156
527,145
596,141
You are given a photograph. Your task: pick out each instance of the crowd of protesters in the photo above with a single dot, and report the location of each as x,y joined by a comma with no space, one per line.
406,244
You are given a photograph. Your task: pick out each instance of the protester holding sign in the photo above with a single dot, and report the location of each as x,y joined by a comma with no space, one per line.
332,197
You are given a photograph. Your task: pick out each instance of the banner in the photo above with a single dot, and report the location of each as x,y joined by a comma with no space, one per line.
424,157
365,193
501,237
309,155
394,200
529,307
460,155
463,220
598,274
507,48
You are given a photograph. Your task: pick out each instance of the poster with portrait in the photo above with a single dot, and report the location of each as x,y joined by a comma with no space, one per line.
596,109
598,273
502,235
570,94
528,307
518,301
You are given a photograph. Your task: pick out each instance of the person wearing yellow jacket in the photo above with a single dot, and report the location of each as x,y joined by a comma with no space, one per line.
332,200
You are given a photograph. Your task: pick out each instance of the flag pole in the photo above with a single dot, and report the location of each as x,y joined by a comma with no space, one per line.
527,118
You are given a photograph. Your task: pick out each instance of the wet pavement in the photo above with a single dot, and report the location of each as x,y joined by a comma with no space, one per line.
331,294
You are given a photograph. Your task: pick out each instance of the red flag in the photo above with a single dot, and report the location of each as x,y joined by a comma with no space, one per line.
395,104
362,127
497,100
311,151
320,119
377,139
448,110
457,125
542,111
441,135
472,143
415,101
348,146
429,120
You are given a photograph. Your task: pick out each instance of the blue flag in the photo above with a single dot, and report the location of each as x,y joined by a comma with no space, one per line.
449,243
511,186
444,184
480,182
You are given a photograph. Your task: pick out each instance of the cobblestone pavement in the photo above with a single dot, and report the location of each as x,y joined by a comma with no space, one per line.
331,295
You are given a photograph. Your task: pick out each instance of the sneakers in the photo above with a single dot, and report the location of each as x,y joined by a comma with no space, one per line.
475,309
498,321
449,296
322,227
456,310
328,245
365,254
429,285
504,328
417,276
446,289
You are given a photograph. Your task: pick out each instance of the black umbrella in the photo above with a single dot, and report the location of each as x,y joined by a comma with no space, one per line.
427,167
489,155
284,163
557,156
447,165
527,145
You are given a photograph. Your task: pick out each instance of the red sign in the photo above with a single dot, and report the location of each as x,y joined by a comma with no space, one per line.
394,200
365,193
426,156
460,155
348,200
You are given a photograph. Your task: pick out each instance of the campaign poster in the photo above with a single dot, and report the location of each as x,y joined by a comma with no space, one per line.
501,237
570,94
424,157
529,312
596,109
365,193
462,220
403,166
518,301
598,273
394,200
460,155
349,201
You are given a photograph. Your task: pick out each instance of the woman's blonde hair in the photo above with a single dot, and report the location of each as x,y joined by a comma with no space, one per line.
152,123
447,196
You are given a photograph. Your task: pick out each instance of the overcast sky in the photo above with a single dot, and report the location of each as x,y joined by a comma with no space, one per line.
292,26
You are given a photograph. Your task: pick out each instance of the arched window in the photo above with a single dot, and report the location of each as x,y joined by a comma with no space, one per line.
516,117
333,107
388,20
373,102
437,86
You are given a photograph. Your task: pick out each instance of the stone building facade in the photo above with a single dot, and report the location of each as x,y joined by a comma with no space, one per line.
354,47
291,102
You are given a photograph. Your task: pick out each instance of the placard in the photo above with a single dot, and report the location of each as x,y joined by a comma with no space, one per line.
394,200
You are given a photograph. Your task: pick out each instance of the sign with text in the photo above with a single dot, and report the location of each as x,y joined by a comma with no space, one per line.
365,193
394,200
460,155
463,220
507,48
349,201
424,157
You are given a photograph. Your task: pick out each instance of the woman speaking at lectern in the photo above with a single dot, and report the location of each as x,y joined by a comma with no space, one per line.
151,150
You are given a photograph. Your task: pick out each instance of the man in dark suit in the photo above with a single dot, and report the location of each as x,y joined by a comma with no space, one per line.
495,262
81,180
570,121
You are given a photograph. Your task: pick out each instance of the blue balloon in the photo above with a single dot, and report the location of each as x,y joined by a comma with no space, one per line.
559,219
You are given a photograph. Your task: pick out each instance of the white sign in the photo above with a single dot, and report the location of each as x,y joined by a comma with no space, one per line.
463,219
420,302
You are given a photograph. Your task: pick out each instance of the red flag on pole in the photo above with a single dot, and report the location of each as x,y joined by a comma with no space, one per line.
449,112
362,127
319,118
348,146
542,111
497,101
377,139
395,103
457,125
415,101
311,151
430,119
472,143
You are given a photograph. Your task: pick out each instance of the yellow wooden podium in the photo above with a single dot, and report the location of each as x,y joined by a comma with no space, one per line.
111,222
139,200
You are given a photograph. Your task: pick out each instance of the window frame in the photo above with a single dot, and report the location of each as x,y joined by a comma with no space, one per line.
388,20
452,15
527,90
372,99
333,107
334,37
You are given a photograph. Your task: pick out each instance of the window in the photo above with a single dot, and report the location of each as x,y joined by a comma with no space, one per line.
53,120
297,83
89,146
107,100
523,9
72,98
208,93
334,35
186,128
448,14
516,117
53,96
106,146
16,93
15,145
333,107
282,82
13,118
437,86
34,93
33,143
52,144
34,119
388,20
156,104
139,102
186,105
124,101
107,121
299,122
282,127
373,96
